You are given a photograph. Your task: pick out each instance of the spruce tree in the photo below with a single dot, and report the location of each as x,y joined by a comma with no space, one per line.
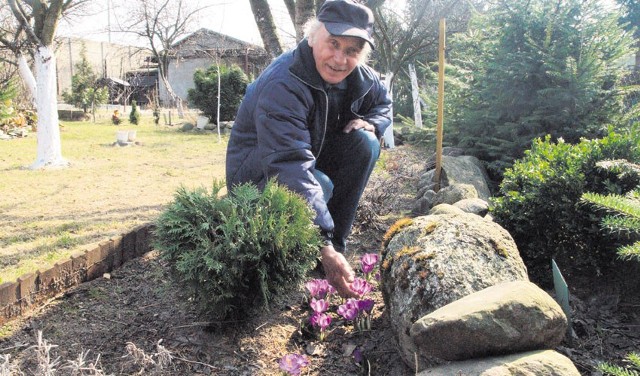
7,94
623,218
85,91
534,68
134,115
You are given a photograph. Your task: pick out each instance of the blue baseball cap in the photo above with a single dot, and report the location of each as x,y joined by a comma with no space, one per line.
347,18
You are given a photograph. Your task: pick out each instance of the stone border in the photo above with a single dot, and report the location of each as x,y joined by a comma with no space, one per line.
31,290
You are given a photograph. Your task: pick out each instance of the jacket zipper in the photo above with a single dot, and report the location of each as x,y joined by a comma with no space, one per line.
326,112
362,96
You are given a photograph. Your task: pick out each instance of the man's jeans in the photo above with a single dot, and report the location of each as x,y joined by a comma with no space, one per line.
343,169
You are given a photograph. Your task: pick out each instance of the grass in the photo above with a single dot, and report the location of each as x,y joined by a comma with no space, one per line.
47,215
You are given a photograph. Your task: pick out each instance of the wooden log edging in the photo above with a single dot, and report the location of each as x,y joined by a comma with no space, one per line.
34,289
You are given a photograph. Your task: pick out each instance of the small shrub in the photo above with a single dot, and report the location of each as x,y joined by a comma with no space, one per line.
134,115
235,253
115,117
539,198
156,115
233,85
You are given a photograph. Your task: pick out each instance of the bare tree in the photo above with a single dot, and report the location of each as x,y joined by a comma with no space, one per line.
34,29
162,23
404,36
266,26
300,11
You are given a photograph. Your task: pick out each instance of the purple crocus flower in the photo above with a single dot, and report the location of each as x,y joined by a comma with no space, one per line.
349,311
320,319
361,286
323,321
368,261
357,356
319,305
293,363
318,288
352,304
365,305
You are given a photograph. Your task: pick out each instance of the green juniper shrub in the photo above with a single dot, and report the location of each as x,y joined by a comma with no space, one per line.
134,115
234,253
539,202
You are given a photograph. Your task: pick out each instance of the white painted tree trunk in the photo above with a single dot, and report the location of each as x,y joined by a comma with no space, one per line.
415,93
387,137
49,150
27,77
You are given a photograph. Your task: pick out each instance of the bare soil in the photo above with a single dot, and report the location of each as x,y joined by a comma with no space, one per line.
139,305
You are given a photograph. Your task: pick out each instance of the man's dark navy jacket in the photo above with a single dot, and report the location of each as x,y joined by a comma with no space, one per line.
282,122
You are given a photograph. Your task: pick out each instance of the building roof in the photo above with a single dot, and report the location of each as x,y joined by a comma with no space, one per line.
205,41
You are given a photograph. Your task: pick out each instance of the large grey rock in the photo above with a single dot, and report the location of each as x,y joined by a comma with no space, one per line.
431,261
464,169
534,363
443,209
424,202
454,193
475,206
507,318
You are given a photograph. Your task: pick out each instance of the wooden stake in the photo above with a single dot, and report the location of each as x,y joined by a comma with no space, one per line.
439,130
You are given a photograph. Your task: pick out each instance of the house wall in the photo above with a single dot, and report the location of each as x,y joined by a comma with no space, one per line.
180,73
107,59
180,77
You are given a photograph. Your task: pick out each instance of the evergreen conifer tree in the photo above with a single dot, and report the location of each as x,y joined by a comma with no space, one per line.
233,84
536,68
624,211
134,115
7,93
85,92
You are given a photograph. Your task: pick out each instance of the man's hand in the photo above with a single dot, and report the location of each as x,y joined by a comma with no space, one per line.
338,271
358,124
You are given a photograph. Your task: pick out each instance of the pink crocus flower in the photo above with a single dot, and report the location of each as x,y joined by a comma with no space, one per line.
361,286
318,288
368,262
293,363
349,311
319,305
322,321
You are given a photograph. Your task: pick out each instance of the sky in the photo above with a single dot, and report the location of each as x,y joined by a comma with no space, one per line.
230,17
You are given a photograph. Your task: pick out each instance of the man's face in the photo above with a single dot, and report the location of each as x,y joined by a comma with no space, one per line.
336,57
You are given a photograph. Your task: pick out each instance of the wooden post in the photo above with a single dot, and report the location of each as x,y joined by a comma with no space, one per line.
218,111
439,130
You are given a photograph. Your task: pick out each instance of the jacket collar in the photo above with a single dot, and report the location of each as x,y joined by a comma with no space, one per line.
304,67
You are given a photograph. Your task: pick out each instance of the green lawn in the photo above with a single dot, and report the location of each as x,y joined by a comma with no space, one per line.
46,215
